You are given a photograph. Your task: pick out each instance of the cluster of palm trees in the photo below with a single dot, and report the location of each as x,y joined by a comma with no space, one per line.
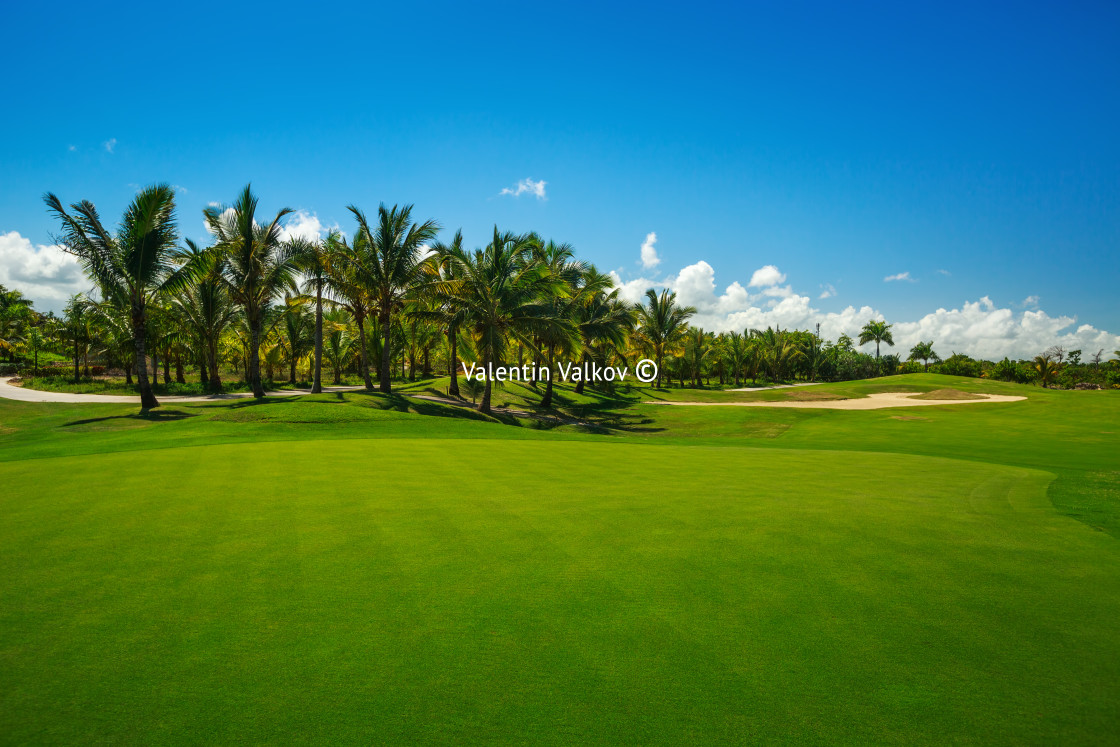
390,299
391,293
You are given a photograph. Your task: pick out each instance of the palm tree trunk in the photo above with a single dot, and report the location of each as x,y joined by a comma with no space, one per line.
582,382
180,374
255,357
546,401
203,369
360,319
215,374
139,338
453,344
386,383
128,373
484,406
658,369
317,385
292,369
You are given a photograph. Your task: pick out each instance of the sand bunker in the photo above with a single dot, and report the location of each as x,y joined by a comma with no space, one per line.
871,402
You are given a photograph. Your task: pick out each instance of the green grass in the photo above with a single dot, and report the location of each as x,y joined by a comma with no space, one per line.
358,568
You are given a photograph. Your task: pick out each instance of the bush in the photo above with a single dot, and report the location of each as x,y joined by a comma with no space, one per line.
911,367
8,369
850,365
1009,370
959,364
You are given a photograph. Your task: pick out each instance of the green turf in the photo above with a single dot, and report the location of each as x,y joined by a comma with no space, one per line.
358,568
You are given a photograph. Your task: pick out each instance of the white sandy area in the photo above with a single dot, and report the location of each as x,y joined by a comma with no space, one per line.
871,402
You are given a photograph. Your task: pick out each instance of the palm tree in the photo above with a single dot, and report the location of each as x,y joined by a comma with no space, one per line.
135,264
1047,369
347,292
563,303
923,352
207,310
36,342
441,267
662,323
297,332
602,320
698,345
778,349
338,341
390,268
77,328
314,262
736,354
877,332
499,291
258,265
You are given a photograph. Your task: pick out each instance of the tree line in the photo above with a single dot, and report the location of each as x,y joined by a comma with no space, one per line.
390,302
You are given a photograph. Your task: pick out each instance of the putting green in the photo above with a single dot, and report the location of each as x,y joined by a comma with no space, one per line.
454,590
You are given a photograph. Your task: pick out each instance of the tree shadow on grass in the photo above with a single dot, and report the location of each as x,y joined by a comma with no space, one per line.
150,416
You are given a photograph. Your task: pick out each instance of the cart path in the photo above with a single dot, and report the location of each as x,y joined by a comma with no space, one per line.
10,391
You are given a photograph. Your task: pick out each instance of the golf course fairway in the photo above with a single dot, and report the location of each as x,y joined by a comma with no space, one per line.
547,590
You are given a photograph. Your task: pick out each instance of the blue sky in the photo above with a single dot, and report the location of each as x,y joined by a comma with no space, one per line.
971,146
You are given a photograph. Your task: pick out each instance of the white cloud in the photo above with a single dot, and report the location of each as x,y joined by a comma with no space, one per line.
766,276
1030,301
946,273
900,276
827,291
72,148
527,186
110,144
633,291
977,328
649,251
45,274
303,225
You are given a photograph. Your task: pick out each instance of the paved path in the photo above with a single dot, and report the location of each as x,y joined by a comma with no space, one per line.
870,402
8,391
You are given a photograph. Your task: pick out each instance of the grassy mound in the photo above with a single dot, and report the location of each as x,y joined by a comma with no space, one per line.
948,394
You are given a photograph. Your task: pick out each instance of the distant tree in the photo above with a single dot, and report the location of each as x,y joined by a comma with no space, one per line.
314,259
877,332
923,352
663,322
736,352
1056,353
1046,368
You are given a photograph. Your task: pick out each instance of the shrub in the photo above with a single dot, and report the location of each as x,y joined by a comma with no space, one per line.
911,367
959,364
1009,370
